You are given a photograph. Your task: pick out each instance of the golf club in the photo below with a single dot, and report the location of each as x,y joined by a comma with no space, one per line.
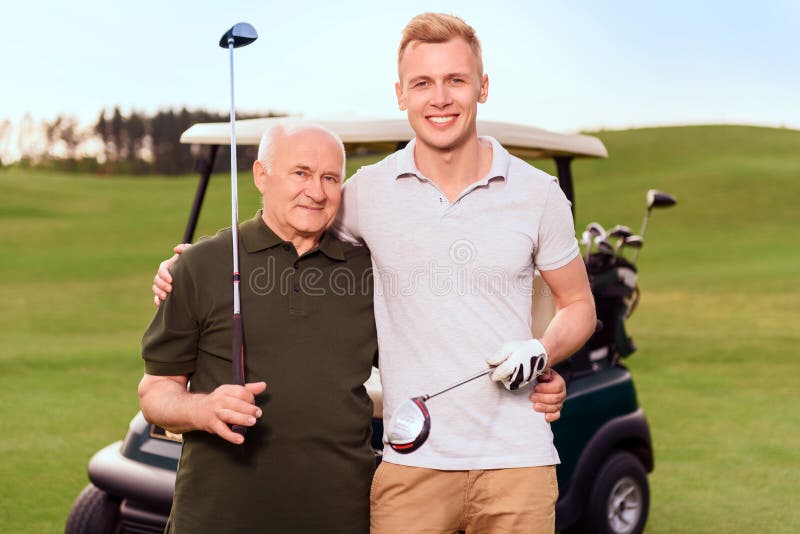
603,246
594,229
586,242
631,241
655,199
619,232
241,34
411,422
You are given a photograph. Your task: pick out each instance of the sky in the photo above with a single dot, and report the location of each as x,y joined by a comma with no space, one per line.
561,65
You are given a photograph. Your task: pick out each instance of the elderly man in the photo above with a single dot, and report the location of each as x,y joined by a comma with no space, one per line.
305,463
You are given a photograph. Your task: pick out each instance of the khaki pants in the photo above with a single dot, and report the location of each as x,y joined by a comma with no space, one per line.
417,500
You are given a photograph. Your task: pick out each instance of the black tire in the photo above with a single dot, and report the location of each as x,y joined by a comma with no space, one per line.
619,499
94,512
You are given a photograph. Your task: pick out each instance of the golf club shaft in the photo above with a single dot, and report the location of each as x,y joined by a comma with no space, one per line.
461,383
237,350
641,233
234,195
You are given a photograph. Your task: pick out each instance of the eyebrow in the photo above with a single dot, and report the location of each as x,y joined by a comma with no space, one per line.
309,169
458,74
429,77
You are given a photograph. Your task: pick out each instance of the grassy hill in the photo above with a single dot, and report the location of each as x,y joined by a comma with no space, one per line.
717,328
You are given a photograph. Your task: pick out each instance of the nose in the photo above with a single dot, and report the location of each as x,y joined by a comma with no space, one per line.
315,190
441,96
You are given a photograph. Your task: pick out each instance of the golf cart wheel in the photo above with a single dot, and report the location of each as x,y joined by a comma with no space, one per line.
94,512
620,497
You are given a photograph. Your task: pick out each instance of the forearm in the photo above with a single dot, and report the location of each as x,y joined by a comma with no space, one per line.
168,404
570,328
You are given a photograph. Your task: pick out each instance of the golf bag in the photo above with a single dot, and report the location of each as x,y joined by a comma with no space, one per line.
614,287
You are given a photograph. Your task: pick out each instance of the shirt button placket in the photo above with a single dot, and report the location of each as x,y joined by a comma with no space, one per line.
296,296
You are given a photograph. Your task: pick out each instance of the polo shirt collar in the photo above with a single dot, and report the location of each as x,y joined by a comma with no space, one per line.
501,161
331,247
257,236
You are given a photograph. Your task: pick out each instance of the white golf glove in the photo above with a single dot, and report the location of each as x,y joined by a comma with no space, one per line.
518,362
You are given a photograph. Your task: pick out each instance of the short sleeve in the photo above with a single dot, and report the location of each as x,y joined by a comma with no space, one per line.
169,345
345,227
556,245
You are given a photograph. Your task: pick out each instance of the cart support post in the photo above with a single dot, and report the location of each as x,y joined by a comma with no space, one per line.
565,178
205,166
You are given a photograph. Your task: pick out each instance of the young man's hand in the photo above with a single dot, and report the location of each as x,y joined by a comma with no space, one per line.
162,283
518,362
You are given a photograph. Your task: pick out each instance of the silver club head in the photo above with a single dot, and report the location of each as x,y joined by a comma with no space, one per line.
410,426
411,422
603,246
596,229
633,241
620,231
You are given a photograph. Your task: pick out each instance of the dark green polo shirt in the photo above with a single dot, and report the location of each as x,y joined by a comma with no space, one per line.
310,335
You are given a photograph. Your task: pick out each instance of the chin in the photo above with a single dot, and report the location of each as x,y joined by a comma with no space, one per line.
310,227
443,143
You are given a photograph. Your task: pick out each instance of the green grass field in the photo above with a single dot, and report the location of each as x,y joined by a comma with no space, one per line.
717,329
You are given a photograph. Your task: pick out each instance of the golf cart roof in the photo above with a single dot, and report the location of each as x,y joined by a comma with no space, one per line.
385,135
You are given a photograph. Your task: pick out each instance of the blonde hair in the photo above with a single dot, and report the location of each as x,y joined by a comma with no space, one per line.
439,28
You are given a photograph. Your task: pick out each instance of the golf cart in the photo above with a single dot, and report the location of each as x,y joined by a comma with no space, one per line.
602,437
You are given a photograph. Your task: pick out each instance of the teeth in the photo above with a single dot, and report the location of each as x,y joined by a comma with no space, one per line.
441,120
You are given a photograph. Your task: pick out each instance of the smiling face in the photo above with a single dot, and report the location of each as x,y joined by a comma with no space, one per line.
301,184
440,87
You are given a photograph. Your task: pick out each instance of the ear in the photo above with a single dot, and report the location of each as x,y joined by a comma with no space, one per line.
259,176
401,99
484,89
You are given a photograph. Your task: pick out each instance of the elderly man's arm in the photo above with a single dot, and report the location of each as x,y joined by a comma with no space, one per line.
166,402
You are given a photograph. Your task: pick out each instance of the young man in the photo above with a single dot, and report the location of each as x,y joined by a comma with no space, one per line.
305,464
459,225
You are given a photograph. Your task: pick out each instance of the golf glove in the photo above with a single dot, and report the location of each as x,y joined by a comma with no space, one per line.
518,362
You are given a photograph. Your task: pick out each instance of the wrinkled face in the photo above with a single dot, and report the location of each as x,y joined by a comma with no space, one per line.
303,189
440,87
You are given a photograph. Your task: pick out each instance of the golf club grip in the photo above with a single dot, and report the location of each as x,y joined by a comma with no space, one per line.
237,361
237,351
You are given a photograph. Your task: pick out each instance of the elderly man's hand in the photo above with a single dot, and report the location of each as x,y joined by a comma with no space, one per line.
549,394
229,405
162,283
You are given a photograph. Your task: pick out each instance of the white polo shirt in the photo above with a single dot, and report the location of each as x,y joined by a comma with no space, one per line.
453,282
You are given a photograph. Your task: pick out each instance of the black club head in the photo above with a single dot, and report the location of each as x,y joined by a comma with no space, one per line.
659,199
242,34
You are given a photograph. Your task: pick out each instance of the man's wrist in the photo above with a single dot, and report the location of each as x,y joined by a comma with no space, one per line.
538,349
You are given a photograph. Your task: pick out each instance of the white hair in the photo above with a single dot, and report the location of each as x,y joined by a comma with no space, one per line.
266,147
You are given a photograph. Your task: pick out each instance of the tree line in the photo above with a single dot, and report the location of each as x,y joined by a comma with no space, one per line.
117,143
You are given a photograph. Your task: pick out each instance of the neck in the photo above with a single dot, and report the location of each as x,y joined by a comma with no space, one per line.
303,244
453,169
